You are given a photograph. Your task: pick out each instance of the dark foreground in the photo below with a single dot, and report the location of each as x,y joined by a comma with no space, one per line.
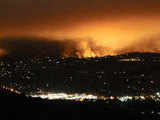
19,107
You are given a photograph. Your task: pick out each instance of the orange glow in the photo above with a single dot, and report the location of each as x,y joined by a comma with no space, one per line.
100,38
3,52
97,38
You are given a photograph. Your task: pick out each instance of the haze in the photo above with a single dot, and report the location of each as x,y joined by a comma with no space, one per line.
82,28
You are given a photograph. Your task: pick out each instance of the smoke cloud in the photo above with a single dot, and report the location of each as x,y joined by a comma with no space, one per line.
34,46
29,16
144,45
81,28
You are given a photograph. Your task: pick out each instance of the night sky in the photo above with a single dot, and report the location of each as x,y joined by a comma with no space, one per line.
84,28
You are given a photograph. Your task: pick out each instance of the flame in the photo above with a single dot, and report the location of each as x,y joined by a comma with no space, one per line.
111,37
84,49
89,48
100,38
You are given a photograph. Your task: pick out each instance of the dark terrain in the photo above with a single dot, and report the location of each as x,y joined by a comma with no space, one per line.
18,107
128,74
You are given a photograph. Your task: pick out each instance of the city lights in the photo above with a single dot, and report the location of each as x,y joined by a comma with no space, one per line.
82,97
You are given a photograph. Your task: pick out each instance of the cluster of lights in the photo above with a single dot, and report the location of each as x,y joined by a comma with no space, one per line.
11,89
64,96
82,97
131,60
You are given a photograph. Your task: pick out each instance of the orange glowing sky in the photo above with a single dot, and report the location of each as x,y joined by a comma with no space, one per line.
97,27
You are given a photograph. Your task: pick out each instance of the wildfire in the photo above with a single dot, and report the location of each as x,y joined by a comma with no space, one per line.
90,48
84,49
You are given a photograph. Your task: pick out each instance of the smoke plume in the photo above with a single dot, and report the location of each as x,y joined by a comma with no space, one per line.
36,46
